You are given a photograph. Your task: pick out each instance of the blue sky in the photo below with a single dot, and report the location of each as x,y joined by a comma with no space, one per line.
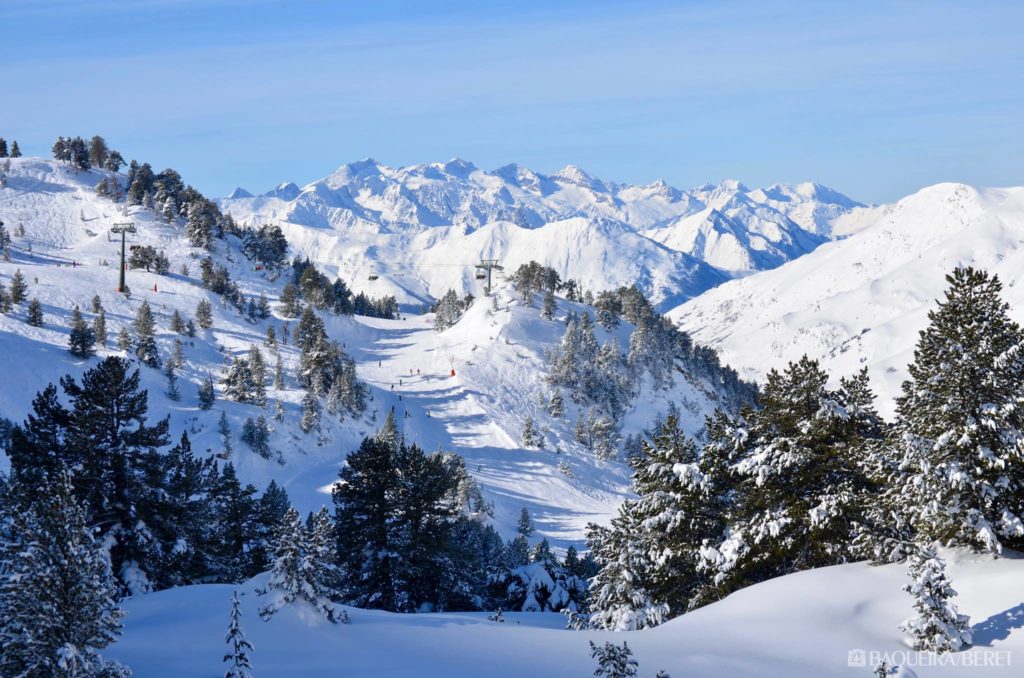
873,98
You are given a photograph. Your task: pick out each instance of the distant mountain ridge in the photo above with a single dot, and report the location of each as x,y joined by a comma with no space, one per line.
371,217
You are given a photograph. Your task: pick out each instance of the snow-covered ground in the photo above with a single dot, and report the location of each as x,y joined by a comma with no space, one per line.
803,625
861,300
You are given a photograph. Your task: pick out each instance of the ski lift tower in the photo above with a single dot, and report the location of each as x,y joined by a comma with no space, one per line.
489,265
123,228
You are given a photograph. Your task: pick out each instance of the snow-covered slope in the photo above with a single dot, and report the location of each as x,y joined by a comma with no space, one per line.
499,355
861,300
805,625
369,217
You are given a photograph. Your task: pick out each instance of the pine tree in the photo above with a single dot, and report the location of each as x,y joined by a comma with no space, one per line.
302,567
224,429
145,343
177,323
256,434
263,307
206,393
56,591
204,314
3,147
15,150
960,422
270,510
271,338
99,327
238,381
525,527
173,393
237,658
290,307
800,484
177,354
556,406
404,540
550,305
124,340
938,627
81,338
620,591
19,288
531,437
310,412
114,451
259,375
614,661
35,313
278,373
680,508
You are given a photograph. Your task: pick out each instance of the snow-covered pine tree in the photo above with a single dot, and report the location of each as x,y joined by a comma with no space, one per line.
145,343
173,393
800,486
681,504
237,657
960,422
531,437
34,317
199,227
177,322
124,339
238,381
204,314
99,327
19,288
278,372
620,596
256,434
81,339
259,375
290,305
302,568
614,661
938,627
206,393
310,412
549,306
270,510
556,406
224,429
56,590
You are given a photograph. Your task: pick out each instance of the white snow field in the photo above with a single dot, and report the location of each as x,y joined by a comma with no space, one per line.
862,299
803,625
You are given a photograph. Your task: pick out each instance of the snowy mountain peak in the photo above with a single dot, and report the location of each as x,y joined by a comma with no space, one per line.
284,191
240,193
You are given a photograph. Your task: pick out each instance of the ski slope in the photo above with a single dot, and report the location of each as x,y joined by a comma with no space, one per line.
803,625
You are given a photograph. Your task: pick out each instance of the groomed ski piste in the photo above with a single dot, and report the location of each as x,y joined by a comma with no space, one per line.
802,625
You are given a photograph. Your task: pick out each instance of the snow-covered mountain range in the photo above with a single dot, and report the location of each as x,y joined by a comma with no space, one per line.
420,229
861,300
